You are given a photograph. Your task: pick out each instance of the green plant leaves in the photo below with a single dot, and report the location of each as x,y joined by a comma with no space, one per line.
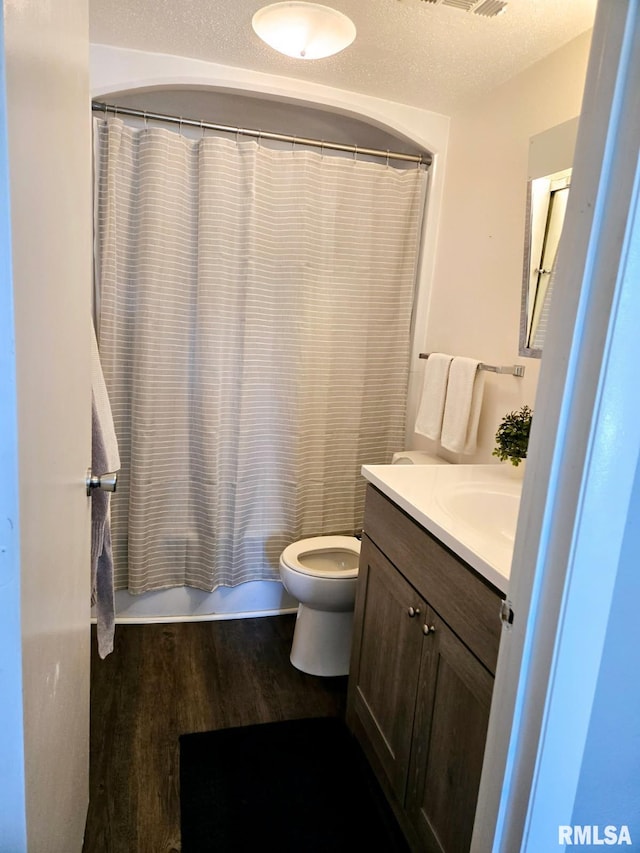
512,436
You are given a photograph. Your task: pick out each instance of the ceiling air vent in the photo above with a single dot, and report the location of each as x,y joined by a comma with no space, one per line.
486,8
465,5
490,8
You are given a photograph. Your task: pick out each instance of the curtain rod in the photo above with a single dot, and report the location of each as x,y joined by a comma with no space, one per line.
423,160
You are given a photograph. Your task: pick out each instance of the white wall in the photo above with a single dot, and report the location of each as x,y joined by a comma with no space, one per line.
13,818
475,302
48,130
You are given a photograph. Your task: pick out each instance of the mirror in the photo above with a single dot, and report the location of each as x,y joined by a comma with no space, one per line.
550,159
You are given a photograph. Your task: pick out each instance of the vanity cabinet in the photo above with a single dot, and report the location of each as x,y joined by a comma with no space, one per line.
426,636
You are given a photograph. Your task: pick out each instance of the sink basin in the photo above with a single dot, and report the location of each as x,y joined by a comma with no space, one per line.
491,510
472,509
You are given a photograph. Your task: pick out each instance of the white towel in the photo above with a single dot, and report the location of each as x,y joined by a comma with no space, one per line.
434,389
103,409
462,406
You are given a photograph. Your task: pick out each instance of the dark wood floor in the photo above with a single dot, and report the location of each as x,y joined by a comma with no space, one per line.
165,680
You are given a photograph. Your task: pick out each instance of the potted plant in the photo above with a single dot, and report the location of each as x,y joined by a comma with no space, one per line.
513,436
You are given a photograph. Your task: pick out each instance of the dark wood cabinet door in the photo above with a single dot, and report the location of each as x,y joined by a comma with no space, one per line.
452,714
386,662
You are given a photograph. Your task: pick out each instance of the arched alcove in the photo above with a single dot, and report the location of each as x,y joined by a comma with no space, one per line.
263,113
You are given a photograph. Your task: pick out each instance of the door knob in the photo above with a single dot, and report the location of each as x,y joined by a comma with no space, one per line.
413,611
428,629
106,482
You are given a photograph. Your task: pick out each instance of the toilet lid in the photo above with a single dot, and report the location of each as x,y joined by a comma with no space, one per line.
324,556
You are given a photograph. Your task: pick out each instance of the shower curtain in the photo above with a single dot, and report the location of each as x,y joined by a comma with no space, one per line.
254,328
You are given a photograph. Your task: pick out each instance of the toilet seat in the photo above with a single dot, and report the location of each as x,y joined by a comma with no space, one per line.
296,555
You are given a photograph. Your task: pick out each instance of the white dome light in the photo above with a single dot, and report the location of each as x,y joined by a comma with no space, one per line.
304,30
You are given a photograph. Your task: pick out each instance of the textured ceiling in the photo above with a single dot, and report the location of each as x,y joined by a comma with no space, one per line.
431,56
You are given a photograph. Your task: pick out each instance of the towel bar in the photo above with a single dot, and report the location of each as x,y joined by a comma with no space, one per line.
511,369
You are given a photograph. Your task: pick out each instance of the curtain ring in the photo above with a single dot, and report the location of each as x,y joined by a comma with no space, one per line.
259,137
293,144
202,127
180,126
238,129
355,153
322,148
387,158
146,121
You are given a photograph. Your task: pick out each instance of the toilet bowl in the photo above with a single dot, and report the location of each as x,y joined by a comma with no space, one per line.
321,573
417,457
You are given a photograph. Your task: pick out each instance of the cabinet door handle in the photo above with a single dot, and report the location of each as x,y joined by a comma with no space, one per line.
428,629
413,611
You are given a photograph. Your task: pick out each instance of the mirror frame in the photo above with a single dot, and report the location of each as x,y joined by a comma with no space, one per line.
549,152
523,349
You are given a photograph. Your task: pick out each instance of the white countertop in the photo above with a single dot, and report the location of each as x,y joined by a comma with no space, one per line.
472,509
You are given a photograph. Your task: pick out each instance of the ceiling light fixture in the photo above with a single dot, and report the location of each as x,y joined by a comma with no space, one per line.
304,30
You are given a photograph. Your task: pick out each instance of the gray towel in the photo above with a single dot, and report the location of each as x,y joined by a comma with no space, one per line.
101,556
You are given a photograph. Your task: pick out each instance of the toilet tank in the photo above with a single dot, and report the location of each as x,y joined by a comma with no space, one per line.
417,457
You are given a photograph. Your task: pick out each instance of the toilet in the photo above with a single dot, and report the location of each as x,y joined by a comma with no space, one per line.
321,573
